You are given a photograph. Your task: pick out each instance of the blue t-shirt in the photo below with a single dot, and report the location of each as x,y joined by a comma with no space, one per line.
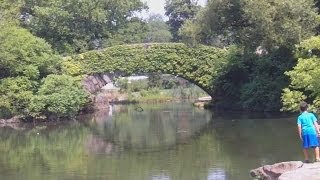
306,121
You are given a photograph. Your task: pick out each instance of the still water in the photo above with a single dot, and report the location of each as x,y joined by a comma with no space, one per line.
149,142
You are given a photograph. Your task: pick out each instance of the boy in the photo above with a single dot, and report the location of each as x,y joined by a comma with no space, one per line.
308,131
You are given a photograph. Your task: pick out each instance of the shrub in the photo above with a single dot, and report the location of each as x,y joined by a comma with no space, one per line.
58,96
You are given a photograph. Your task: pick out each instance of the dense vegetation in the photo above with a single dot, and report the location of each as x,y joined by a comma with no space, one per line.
35,82
158,88
201,65
305,84
31,81
255,68
267,31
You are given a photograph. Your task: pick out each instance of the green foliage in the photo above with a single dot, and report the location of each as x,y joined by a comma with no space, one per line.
189,33
133,86
135,31
155,80
58,96
138,85
178,12
71,68
158,30
201,65
16,94
122,83
253,81
291,100
22,54
10,11
25,60
257,23
305,84
77,26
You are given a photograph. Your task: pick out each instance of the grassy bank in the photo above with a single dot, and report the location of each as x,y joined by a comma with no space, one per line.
163,95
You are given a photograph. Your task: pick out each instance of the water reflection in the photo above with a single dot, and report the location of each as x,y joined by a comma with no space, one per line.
150,129
167,141
98,145
217,174
161,177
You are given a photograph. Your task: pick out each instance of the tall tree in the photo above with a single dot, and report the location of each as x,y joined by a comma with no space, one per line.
178,12
73,26
257,23
158,30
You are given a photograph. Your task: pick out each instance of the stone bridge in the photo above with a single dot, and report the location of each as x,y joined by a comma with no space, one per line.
201,65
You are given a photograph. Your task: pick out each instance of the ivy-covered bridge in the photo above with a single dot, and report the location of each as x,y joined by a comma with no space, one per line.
200,65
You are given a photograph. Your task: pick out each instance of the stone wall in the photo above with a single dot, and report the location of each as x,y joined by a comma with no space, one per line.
94,83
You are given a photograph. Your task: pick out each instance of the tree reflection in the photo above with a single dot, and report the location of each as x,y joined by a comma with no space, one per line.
157,127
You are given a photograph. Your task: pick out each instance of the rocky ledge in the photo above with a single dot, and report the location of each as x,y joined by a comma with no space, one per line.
293,170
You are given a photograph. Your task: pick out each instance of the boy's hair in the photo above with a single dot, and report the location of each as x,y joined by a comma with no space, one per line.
303,106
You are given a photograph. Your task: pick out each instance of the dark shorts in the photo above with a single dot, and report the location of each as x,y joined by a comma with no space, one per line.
310,141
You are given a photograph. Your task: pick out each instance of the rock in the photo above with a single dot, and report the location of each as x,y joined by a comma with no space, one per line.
306,172
94,83
273,172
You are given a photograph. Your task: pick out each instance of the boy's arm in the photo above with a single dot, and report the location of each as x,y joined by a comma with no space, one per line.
316,126
299,131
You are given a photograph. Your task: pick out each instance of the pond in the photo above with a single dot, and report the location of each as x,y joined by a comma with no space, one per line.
171,141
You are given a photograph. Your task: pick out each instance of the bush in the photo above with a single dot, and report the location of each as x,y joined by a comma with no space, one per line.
16,94
58,96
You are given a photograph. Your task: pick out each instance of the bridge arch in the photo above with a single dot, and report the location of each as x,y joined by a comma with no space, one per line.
200,65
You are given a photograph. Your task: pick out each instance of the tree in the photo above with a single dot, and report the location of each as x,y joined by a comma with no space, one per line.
178,12
27,86
72,26
134,32
10,11
22,54
158,30
305,84
263,23
267,32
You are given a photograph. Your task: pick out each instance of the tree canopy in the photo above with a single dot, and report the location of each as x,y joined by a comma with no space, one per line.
304,77
72,26
158,30
267,32
178,12
250,23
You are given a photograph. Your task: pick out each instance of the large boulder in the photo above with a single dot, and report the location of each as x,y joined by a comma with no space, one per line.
306,172
273,172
